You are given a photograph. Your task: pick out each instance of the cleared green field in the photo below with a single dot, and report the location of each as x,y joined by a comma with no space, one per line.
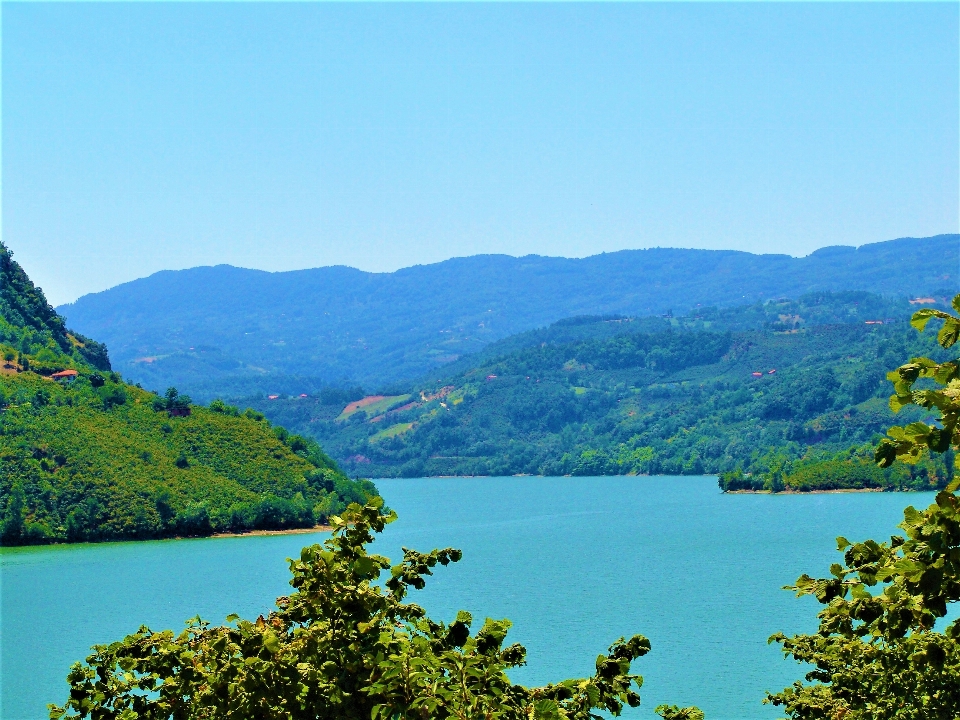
391,431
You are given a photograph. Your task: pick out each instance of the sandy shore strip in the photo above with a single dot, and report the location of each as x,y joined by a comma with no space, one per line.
291,531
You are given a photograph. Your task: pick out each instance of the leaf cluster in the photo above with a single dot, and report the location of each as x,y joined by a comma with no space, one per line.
878,653
940,393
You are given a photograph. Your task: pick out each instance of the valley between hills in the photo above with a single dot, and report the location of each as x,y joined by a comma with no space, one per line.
784,393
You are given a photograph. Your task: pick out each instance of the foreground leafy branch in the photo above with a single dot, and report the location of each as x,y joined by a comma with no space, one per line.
911,442
878,653
344,645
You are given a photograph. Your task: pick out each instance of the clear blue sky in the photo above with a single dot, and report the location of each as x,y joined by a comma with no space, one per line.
138,137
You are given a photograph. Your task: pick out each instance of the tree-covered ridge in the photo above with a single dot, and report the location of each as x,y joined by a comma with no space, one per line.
30,325
780,315
85,456
85,462
216,330
680,395
822,468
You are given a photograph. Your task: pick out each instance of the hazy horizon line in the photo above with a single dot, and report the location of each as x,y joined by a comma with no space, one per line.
504,255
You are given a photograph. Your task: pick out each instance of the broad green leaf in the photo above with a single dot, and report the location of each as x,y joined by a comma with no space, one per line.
922,317
898,402
948,333
897,433
917,431
946,372
271,642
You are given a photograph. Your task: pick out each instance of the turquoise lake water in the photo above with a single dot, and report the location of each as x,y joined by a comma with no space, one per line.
574,562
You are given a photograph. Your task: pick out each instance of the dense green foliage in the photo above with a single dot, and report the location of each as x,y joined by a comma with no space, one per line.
217,330
343,646
885,649
929,384
599,396
90,457
79,462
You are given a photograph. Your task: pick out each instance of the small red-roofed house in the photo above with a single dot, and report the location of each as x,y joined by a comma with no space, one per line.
757,374
68,375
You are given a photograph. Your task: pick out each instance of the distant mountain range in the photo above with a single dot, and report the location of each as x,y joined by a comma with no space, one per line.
231,331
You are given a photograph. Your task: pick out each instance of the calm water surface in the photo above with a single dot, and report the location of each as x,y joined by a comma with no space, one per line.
574,562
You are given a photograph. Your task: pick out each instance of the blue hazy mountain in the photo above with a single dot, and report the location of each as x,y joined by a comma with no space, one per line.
227,330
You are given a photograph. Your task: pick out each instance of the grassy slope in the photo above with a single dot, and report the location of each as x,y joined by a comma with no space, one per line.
94,459
68,451
678,400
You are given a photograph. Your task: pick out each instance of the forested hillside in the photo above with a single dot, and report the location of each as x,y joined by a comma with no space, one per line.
764,393
28,324
222,329
85,456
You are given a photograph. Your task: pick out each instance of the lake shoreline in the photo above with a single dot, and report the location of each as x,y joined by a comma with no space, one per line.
835,491
169,538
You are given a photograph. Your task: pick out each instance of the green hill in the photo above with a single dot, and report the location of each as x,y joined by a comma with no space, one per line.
29,325
89,457
783,394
